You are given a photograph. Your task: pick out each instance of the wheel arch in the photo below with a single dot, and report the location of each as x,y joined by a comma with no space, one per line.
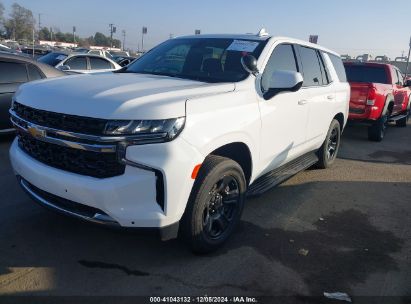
240,153
389,103
340,118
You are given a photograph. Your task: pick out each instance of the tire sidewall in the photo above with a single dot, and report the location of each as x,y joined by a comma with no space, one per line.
328,162
200,199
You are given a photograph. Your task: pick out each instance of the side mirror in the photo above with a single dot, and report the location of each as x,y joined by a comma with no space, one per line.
64,68
249,64
407,83
283,81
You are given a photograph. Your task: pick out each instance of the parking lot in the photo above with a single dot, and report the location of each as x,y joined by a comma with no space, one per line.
344,229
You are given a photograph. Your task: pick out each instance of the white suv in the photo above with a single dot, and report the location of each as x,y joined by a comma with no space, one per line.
179,138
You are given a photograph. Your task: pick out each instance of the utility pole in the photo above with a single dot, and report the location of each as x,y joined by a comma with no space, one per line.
124,39
112,30
39,26
408,60
74,34
51,33
144,32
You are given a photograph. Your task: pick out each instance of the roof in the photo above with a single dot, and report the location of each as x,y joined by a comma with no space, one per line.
256,37
367,63
49,71
229,36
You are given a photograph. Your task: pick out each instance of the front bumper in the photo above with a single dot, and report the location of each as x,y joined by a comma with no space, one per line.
128,200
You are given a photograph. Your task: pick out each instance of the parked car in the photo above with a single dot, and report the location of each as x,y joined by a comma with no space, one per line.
87,63
14,71
176,140
119,53
379,94
38,51
102,53
54,58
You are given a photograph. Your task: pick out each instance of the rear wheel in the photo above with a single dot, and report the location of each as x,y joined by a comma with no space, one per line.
328,151
402,123
376,131
215,204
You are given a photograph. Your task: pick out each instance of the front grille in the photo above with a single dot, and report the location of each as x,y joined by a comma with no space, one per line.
71,123
95,164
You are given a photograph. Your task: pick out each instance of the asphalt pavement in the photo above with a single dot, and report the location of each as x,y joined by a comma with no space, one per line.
344,229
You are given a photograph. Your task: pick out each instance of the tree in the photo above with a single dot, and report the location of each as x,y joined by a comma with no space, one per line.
20,25
44,34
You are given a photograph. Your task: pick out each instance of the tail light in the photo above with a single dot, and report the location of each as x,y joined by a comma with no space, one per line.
372,94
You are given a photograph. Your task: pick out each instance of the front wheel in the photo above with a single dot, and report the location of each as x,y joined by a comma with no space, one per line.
329,149
215,204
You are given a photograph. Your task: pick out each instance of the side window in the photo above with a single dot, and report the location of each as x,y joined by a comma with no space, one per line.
77,63
339,67
282,58
394,74
400,78
311,67
34,72
13,72
99,64
324,71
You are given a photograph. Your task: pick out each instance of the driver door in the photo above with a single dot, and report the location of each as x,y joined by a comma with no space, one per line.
284,116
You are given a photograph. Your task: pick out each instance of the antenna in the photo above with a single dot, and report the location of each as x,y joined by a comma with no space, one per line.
262,33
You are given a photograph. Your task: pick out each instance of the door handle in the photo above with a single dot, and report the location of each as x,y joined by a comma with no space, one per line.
302,102
330,97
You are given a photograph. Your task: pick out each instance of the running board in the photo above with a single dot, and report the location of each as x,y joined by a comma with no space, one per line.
395,118
281,174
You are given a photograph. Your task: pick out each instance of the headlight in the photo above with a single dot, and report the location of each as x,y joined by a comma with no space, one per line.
158,130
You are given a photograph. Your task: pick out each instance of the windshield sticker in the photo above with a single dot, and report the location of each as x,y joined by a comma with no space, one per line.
61,57
243,46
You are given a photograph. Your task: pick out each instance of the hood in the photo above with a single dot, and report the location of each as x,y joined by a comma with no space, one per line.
117,95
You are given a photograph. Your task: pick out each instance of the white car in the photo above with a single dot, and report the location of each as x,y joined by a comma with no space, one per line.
86,63
178,139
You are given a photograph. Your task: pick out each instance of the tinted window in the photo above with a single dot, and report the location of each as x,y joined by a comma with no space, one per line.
282,58
400,78
324,71
11,72
202,59
99,64
34,72
311,67
52,58
77,63
339,67
362,73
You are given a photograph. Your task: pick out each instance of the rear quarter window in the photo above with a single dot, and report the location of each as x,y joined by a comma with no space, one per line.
339,67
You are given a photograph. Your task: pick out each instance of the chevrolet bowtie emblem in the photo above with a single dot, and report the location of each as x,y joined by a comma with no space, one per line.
36,132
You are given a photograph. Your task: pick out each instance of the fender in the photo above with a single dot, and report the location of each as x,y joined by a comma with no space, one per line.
388,100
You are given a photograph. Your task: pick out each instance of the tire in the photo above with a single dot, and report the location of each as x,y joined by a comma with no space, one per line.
212,213
376,131
402,123
329,149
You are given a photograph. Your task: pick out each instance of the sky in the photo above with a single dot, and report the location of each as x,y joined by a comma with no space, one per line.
348,27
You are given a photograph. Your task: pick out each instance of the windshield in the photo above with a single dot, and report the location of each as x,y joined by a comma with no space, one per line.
362,73
203,59
52,58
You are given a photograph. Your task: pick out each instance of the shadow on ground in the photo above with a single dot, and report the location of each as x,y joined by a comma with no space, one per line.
395,148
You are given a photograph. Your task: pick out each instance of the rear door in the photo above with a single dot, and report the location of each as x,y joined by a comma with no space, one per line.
319,91
12,76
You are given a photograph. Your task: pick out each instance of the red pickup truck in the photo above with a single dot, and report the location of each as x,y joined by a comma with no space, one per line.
379,94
